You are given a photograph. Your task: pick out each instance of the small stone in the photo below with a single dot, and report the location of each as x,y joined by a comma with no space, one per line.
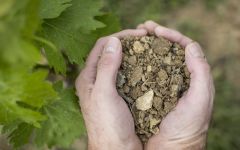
161,46
132,60
154,122
177,62
157,102
145,102
186,72
174,89
138,47
144,88
144,39
136,76
126,89
143,78
120,79
153,112
150,51
136,92
168,60
149,68
155,130
177,79
131,52
162,74
146,46
168,106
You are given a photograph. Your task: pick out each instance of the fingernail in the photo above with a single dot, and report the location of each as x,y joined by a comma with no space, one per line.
112,45
195,50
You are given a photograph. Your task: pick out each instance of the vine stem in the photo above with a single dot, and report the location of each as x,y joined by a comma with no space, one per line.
44,41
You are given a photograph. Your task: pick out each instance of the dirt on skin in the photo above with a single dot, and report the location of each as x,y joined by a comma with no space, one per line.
152,77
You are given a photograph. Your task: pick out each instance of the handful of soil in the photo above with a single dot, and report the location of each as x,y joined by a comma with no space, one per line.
152,77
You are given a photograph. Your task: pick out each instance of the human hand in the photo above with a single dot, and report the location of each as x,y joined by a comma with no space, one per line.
187,125
108,120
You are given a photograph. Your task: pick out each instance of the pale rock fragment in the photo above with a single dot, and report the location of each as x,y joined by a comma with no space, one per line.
136,76
132,60
154,122
138,47
168,60
162,74
145,102
149,68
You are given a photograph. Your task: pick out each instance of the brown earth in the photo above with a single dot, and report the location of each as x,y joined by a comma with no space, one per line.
151,79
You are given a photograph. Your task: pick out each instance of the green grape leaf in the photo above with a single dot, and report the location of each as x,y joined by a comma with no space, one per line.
19,53
37,92
80,16
18,28
112,25
54,56
28,103
9,128
32,20
55,60
64,123
21,135
82,43
5,6
20,93
53,8
70,31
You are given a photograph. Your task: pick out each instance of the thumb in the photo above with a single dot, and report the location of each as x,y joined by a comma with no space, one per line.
109,63
201,86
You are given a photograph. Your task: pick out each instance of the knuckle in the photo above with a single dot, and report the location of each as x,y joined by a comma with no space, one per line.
105,62
84,90
205,67
127,31
101,40
81,79
149,22
178,33
140,25
77,82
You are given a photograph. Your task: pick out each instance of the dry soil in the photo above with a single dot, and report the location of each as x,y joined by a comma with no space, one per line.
152,77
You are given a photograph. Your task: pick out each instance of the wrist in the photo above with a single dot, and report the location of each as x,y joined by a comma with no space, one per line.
193,143
110,143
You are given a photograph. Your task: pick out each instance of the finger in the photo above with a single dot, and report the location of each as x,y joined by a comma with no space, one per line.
91,63
108,64
172,35
140,26
130,32
88,74
150,26
97,50
94,55
87,77
201,87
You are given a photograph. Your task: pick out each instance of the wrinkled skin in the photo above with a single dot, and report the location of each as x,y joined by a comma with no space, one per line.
108,120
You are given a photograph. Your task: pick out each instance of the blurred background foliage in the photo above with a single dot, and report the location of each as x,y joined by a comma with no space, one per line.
215,24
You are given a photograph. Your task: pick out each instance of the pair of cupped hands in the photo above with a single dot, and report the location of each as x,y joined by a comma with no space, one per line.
108,120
